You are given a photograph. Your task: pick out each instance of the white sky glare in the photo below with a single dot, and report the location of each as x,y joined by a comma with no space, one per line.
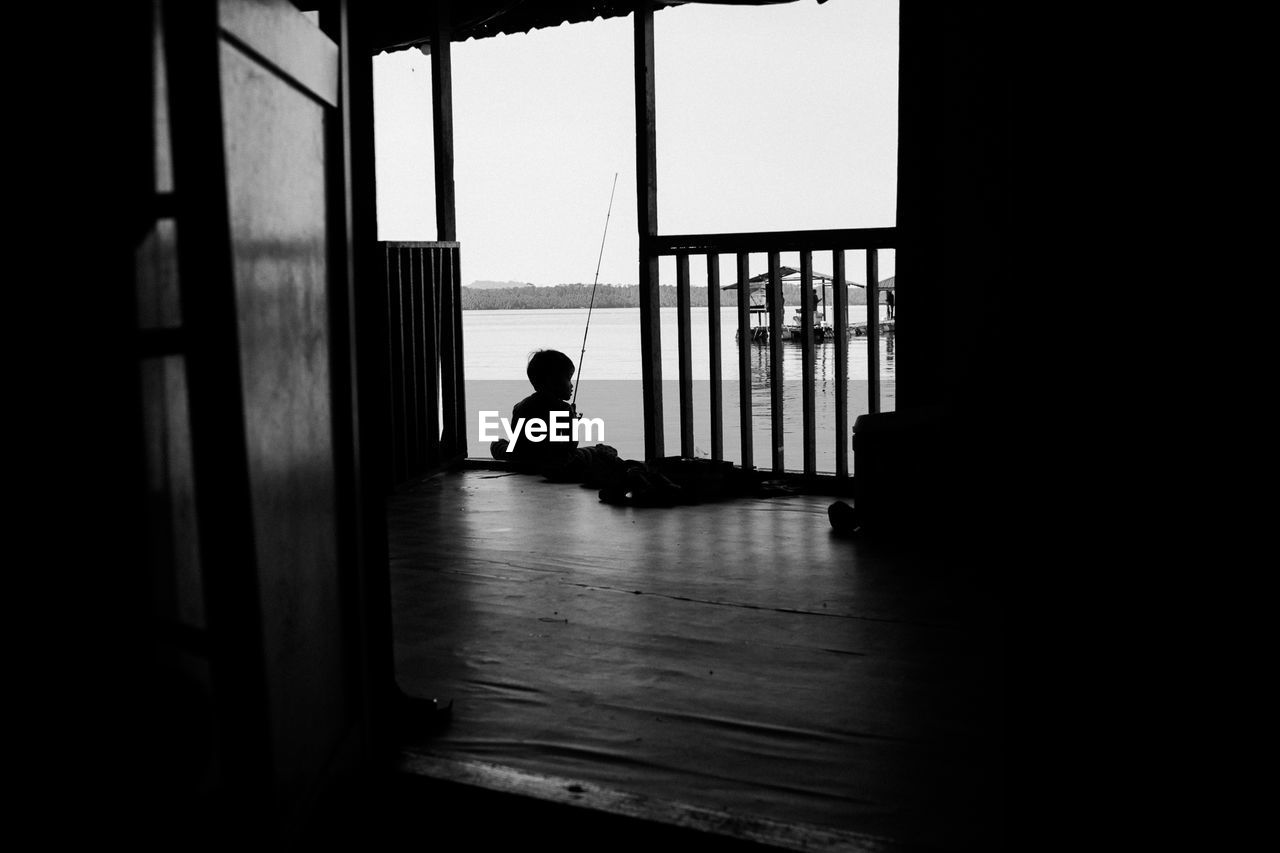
773,117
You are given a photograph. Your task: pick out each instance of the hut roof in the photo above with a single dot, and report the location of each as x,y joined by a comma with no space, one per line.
758,283
405,23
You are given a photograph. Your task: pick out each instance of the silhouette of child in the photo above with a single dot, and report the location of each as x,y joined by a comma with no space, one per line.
551,373
620,481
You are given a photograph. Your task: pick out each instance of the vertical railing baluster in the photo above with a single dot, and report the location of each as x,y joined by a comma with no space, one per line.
713,343
437,295
775,357
391,397
806,361
684,344
391,409
413,355
436,303
448,358
425,356
744,358
395,355
441,298
406,363
773,335
873,330
460,385
430,348
840,295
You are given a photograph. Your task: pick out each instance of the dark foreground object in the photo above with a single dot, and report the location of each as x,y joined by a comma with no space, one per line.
930,478
678,480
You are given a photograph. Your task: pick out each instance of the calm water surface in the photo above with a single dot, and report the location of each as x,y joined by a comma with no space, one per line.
498,344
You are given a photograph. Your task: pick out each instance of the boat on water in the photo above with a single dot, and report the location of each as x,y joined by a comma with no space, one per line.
794,332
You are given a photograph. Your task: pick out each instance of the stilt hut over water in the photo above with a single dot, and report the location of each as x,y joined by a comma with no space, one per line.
759,307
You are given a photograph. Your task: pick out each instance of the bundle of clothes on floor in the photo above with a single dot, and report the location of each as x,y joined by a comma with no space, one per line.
671,481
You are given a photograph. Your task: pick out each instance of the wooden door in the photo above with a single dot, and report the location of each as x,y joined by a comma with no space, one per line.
253,97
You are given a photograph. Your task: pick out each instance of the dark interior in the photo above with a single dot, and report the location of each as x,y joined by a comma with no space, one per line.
276,580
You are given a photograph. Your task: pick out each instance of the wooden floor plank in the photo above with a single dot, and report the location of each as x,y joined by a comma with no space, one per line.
736,657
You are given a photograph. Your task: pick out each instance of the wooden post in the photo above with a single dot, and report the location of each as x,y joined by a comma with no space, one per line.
448,282
372,597
364,546
341,297
442,122
647,222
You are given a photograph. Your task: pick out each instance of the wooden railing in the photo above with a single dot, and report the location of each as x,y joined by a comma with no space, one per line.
424,336
806,243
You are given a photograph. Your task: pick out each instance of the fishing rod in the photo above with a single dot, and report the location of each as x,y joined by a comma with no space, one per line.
573,404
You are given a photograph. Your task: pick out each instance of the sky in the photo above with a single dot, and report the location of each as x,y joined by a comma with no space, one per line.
775,117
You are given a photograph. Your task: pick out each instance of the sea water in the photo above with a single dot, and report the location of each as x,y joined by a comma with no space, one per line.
497,345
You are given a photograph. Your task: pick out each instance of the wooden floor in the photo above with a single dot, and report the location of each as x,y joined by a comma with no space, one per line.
736,657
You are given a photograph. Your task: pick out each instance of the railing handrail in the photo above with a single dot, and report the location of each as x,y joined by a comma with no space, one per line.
772,241
421,244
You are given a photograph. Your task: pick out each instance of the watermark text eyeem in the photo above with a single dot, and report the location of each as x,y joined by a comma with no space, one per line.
560,428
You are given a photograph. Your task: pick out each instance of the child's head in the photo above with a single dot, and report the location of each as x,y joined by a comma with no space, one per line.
550,371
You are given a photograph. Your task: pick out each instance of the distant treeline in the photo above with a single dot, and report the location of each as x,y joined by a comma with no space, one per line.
612,296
